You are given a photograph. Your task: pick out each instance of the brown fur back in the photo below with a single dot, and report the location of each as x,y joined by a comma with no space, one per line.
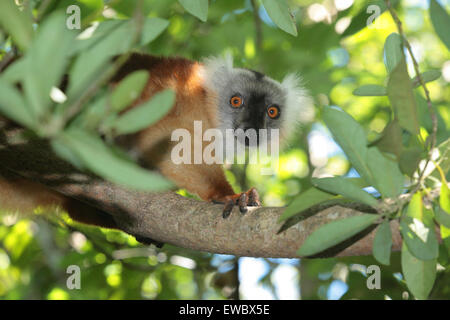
153,145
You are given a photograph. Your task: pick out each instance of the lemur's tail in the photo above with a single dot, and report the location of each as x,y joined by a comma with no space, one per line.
23,196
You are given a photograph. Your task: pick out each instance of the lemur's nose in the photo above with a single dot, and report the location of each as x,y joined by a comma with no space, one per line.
254,133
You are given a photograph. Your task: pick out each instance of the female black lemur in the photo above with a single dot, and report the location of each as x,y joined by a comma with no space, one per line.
213,92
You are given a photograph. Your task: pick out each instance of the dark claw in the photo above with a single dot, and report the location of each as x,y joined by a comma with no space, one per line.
253,200
242,202
227,209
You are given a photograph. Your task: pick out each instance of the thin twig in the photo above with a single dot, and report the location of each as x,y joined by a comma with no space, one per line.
7,58
258,28
76,107
427,93
416,69
42,8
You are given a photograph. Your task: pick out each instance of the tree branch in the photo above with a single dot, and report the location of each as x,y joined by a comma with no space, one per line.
170,218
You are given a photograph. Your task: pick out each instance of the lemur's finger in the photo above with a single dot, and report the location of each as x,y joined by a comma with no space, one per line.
253,199
227,209
242,202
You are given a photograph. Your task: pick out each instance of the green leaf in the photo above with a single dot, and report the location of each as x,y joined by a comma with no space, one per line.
373,167
425,120
127,8
16,23
445,236
393,51
278,11
417,228
94,35
444,156
84,72
305,200
50,60
334,233
361,20
359,182
340,185
426,76
93,114
128,90
444,255
391,139
152,28
145,114
65,153
419,275
352,139
444,204
402,98
442,217
409,160
108,122
441,22
382,243
13,106
15,72
415,207
115,39
370,90
387,178
444,199
101,160
198,8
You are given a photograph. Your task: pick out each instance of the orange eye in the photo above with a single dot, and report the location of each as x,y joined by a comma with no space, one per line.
236,101
273,112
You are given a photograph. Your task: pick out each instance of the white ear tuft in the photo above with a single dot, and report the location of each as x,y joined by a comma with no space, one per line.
217,69
217,63
299,105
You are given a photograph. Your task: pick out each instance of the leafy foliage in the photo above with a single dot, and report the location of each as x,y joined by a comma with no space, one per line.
335,232
146,114
278,11
382,243
198,8
441,21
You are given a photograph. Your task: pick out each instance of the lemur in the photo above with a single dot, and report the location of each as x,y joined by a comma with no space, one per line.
213,92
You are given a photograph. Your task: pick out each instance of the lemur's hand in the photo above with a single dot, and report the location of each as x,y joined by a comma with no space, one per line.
243,200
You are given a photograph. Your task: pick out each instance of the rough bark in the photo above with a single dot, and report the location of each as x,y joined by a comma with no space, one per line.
170,218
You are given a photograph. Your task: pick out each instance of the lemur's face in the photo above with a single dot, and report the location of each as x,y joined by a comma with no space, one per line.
247,99
251,100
